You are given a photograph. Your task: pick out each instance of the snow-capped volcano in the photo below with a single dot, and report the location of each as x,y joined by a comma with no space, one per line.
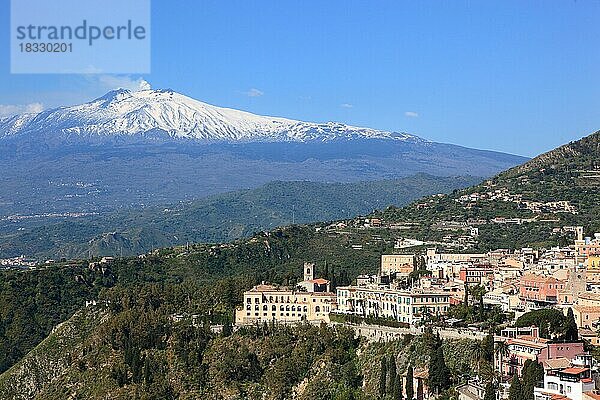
138,148
136,113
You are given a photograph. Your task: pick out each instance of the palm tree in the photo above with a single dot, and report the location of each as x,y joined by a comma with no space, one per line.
477,357
501,350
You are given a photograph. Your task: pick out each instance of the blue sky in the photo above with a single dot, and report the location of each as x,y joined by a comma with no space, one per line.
515,76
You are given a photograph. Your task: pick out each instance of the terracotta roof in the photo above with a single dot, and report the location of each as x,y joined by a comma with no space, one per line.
553,396
538,278
531,342
587,308
574,370
322,294
590,296
266,288
557,363
319,281
593,394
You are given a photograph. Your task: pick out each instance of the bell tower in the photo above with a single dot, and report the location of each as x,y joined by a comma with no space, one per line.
309,271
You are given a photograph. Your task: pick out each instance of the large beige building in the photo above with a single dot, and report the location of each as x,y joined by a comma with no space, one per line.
309,301
408,306
433,256
397,263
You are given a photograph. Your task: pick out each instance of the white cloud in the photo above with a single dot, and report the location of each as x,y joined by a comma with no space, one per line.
411,114
254,93
111,82
7,110
346,105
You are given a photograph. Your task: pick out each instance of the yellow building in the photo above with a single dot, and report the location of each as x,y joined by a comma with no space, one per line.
593,262
585,316
588,299
309,301
265,303
401,263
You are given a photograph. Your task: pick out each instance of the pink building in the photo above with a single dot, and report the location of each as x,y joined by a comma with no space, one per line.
539,288
525,344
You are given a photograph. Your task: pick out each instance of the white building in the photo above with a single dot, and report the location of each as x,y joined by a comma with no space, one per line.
571,382
409,306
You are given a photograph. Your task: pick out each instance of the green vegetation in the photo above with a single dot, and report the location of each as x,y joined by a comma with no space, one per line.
568,173
473,311
33,302
410,391
553,324
522,389
130,347
218,218
439,375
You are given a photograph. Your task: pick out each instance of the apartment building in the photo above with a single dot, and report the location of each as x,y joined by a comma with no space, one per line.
539,289
434,257
477,275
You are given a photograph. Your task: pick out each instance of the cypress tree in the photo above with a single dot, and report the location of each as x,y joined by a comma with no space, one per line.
391,374
533,372
382,377
488,348
397,390
571,333
410,389
490,392
227,328
439,374
515,390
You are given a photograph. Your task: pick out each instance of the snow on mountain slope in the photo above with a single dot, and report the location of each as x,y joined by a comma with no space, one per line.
122,112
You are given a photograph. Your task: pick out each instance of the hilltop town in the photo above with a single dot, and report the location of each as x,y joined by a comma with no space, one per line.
466,295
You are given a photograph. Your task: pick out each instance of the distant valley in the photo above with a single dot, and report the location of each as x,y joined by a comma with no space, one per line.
216,218
96,178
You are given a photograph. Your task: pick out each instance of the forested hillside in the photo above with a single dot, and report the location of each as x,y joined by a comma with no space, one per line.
131,348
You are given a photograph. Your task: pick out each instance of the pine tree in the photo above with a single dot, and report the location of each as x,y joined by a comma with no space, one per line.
410,389
382,378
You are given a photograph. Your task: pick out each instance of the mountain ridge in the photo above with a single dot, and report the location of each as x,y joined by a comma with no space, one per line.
150,112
